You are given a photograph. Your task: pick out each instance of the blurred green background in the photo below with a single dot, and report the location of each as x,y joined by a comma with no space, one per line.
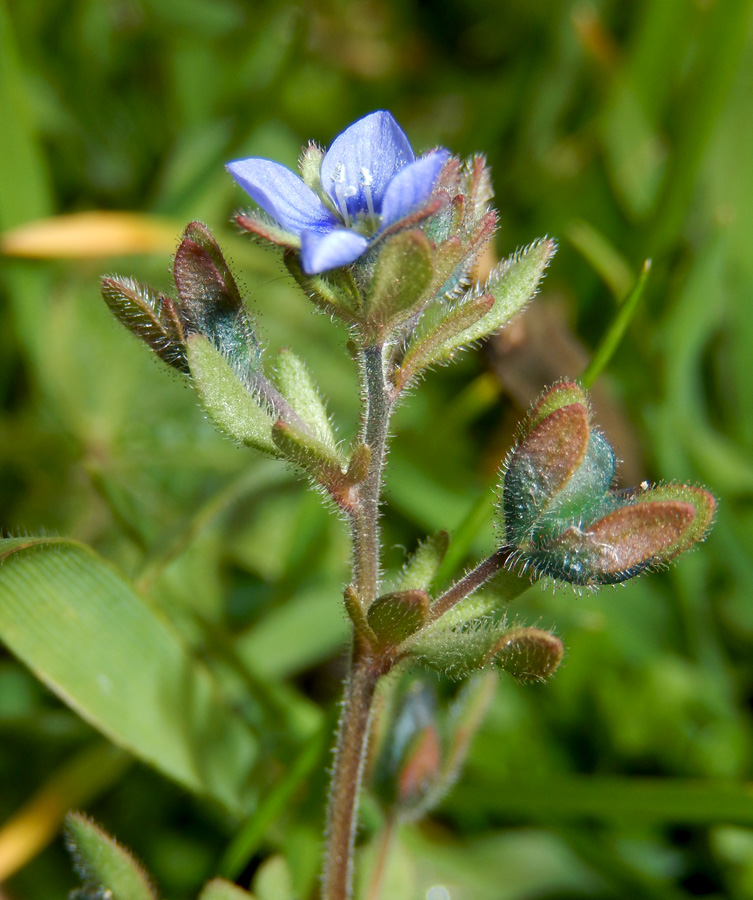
625,130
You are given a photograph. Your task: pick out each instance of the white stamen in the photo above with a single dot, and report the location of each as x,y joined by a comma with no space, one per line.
341,193
367,179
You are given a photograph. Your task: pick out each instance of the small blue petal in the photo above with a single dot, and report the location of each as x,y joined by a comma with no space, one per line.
282,194
411,187
321,252
361,163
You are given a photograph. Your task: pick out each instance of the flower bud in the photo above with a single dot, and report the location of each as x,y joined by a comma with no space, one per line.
479,312
421,742
562,520
210,302
409,759
528,654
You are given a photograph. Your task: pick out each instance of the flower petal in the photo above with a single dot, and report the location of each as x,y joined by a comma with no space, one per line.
282,194
412,186
321,252
362,161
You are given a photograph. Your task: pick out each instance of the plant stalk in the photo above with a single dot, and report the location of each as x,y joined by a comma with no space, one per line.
470,583
365,671
350,755
374,433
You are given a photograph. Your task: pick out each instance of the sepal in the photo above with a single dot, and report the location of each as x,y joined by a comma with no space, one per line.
428,349
462,649
398,287
264,230
558,396
463,224
702,501
525,653
540,467
332,292
422,567
310,165
625,542
529,654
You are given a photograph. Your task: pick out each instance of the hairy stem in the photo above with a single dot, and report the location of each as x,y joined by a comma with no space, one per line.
365,669
350,754
374,432
471,582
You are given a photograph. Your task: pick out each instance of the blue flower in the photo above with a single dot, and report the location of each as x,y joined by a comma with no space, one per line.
370,179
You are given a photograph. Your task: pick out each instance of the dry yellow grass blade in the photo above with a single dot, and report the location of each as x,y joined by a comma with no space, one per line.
90,234
75,783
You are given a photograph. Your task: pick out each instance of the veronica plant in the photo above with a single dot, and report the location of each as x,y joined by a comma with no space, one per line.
386,243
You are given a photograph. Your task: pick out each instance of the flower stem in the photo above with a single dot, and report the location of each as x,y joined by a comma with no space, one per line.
350,754
365,669
471,582
374,432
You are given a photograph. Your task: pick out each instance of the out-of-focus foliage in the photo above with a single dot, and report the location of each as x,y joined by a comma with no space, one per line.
622,129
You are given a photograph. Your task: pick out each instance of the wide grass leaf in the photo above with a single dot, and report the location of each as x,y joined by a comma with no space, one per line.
85,632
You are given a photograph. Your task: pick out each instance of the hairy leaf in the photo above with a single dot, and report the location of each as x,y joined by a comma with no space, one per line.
227,402
107,868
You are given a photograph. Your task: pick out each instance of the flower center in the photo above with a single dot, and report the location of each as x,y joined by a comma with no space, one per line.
366,221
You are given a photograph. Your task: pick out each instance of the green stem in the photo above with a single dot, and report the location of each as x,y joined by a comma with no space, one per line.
470,583
350,755
366,545
365,669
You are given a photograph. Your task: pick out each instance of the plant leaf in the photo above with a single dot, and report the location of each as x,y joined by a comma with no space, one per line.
103,863
227,402
220,889
298,388
150,316
423,565
85,632
484,310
